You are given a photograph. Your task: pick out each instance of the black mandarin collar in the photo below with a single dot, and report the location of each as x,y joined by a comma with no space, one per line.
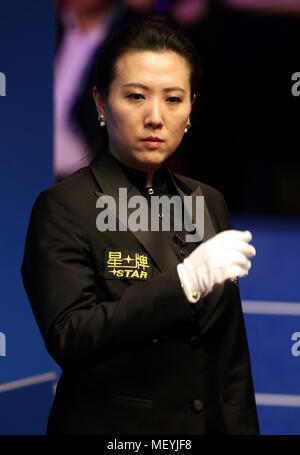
161,181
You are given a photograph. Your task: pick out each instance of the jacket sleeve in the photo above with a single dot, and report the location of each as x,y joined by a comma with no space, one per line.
80,327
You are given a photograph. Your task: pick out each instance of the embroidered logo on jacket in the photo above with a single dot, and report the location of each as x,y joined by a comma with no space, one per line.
127,265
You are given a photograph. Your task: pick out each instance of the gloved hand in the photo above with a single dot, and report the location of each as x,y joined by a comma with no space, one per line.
224,256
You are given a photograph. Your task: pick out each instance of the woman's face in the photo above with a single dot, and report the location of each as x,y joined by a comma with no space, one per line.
150,96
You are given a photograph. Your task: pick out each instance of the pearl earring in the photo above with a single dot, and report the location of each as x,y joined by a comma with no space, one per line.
187,127
101,119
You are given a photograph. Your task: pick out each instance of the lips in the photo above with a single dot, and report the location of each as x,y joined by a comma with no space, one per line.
152,142
152,139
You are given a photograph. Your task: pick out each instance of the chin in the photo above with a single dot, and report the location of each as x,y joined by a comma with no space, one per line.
153,158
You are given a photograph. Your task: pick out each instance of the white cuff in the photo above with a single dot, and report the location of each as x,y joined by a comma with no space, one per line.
187,284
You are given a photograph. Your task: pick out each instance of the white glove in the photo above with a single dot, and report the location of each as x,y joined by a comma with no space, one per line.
224,256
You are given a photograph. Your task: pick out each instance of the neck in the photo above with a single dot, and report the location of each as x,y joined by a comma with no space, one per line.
149,179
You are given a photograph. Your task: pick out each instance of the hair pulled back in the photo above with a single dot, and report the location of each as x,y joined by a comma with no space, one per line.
155,34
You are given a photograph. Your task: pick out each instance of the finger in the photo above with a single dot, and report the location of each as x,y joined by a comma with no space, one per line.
245,248
237,271
246,236
234,234
239,259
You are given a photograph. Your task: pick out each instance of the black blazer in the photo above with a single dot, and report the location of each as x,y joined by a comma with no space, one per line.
136,357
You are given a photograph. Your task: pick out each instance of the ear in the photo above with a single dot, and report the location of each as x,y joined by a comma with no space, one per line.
194,98
99,101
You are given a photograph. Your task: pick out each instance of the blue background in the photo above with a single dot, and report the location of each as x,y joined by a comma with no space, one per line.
26,58
274,277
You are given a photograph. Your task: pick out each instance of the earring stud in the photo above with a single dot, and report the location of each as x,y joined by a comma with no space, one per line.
101,119
187,127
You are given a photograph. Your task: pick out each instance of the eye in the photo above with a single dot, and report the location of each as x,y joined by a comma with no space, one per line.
134,96
174,99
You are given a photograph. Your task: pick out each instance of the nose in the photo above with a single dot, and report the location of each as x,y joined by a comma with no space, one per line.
153,115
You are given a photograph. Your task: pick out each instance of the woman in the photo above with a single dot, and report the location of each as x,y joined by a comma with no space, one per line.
146,324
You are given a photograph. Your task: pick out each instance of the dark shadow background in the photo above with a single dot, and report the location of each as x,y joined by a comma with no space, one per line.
244,138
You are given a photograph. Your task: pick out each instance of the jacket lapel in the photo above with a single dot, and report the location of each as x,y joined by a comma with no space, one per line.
107,173
195,191
205,306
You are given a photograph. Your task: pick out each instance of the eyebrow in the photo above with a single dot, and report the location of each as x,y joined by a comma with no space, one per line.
137,84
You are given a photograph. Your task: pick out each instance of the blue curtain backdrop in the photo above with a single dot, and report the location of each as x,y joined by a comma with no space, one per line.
27,373
26,60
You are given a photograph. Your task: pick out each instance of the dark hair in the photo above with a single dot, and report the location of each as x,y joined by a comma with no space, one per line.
154,34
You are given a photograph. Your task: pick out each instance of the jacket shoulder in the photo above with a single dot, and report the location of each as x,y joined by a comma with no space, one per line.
72,186
75,194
